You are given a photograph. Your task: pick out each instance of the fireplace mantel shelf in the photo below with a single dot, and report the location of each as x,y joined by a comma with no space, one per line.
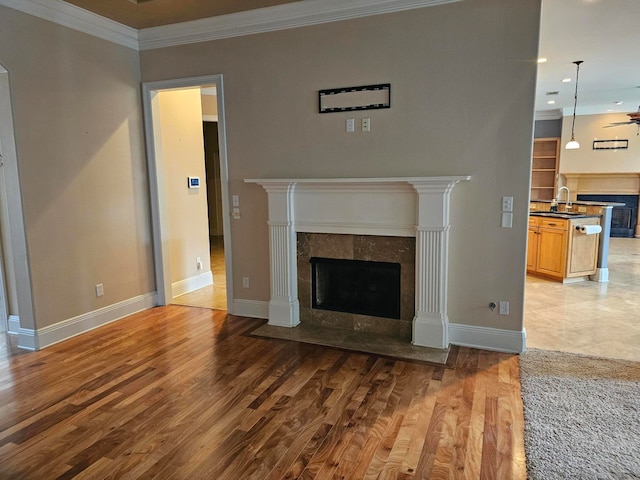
445,179
388,206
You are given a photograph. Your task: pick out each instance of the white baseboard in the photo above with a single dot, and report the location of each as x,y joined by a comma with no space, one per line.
44,337
13,324
192,283
487,338
27,339
250,308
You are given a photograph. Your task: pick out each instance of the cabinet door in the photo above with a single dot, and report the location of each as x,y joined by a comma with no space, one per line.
552,251
532,250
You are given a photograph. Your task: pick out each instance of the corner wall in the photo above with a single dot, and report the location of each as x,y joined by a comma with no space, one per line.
83,177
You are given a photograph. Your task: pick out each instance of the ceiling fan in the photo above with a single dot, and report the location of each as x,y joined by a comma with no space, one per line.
634,119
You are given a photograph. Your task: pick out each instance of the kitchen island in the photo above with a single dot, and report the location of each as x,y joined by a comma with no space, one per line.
601,210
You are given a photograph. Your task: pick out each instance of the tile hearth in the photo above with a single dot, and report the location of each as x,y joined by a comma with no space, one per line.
356,341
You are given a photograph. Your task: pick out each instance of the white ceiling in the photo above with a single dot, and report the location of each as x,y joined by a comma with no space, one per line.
605,34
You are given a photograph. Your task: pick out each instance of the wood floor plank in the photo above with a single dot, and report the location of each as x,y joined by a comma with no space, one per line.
178,392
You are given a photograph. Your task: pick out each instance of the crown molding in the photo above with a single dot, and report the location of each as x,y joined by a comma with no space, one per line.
77,18
280,17
554,114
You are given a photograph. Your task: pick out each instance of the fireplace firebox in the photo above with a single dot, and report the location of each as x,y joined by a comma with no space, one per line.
356,286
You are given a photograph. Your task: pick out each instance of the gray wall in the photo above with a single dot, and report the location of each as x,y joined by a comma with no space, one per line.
81,159
463,80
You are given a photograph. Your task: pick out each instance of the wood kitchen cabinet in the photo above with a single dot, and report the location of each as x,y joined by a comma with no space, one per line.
559,251
548,245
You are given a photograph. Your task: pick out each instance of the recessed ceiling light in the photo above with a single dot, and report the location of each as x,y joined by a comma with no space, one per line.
551,102
542,60
619,102
566,80
553,93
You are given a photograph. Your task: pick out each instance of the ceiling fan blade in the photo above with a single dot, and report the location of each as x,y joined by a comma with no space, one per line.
617,124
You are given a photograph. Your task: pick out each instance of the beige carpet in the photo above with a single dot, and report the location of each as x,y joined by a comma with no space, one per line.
582,416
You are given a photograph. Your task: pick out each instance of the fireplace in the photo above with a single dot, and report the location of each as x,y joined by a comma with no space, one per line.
623,217
396,253
400,207
356,286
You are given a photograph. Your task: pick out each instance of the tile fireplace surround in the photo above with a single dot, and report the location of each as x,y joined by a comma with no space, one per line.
403,207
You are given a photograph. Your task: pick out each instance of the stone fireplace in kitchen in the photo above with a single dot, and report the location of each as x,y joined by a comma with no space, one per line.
403,221
622,188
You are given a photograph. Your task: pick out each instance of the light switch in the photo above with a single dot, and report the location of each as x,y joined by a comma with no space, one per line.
507,204
351,125
235,199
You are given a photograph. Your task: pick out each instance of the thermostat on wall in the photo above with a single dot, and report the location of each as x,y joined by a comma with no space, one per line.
194,182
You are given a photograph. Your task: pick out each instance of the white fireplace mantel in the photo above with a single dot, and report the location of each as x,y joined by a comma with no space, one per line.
408,206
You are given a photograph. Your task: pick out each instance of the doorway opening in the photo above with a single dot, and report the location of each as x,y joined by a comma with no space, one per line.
189,185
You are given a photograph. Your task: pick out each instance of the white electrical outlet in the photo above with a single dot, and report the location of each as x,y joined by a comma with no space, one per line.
504,308
366,124
198,263
245,282
99,290
507,204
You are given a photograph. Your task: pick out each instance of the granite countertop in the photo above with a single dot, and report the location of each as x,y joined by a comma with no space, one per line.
568,215
583,202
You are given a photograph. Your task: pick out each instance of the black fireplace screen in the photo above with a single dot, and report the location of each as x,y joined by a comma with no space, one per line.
623,217
356,286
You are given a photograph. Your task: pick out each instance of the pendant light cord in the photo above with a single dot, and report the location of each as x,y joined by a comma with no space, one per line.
575,99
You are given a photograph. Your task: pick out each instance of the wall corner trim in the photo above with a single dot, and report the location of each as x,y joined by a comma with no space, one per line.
77,18
47,336
487,338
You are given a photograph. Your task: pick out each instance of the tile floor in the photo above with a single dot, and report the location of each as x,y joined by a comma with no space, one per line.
592,318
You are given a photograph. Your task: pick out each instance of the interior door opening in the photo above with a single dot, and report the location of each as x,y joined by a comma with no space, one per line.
191,227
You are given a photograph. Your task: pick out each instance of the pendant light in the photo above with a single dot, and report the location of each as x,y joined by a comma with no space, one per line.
573,144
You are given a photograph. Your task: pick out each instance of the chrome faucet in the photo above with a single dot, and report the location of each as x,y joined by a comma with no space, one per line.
568,203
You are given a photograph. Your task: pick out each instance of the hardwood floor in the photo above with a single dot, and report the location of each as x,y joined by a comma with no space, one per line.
181,392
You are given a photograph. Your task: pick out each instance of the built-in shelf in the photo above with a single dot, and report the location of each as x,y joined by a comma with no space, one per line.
544,168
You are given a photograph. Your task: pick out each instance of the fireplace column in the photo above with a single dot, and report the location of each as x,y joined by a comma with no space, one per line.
284,308
431,322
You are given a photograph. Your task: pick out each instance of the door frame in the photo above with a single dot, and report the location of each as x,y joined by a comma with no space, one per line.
159,219
15,258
